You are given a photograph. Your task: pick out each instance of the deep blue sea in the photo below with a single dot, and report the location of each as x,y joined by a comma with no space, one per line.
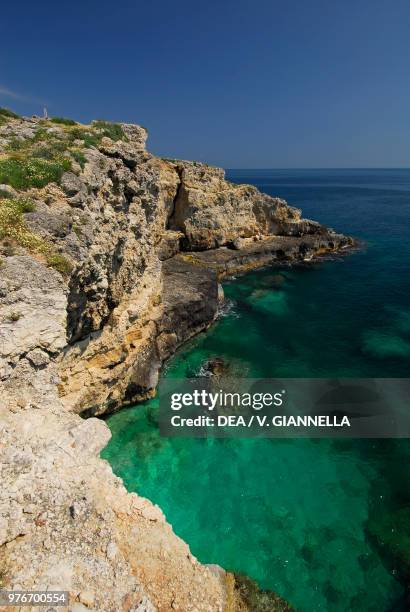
324,523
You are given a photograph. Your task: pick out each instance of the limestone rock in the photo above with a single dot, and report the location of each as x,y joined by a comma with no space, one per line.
212,212
33,301
7,192
87,598
38,358
72,184
190,303
169,245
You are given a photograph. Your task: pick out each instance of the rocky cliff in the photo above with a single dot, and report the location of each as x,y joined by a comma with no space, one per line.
110,260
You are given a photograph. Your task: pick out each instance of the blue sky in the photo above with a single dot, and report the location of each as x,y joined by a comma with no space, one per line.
245,84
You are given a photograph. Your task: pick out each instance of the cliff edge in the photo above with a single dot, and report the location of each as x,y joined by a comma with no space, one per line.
109,260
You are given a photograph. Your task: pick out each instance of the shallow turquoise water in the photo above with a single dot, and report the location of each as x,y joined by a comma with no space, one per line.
295,514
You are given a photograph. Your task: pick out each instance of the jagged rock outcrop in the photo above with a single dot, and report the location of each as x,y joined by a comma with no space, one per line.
105,269
67,523
212,212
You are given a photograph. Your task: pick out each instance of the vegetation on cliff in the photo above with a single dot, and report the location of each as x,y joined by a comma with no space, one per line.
22,172
6,114
14,231
43,157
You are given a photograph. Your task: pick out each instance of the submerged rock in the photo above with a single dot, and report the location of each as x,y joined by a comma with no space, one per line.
217,366
277,280
255,599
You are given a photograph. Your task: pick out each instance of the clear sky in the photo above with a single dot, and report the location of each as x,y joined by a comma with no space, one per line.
237,83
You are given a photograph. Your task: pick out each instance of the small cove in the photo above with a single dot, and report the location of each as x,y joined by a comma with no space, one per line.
298,516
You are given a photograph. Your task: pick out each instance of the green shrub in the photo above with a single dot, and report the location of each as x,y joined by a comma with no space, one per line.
111,130
24,205
77,231
41,135
79,157
35,162
16,144
44,146
91,136
5,112
8,249
22,173
49,150
59,263
63,121
13,227
90,139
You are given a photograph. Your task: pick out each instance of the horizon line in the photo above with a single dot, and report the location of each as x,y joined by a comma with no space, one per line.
324,168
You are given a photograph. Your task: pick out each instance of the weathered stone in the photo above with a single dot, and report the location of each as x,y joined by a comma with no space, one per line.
271,249
87,598
112,550
145,606
212,212
190,302
169,245
72,184
7,192
78,607
33,308
238,243
38,358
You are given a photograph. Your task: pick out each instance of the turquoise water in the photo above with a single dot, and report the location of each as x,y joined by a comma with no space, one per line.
299,516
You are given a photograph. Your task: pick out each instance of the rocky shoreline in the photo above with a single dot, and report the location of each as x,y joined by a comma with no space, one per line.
110,259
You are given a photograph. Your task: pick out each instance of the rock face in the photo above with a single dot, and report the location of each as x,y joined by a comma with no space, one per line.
188,308
67,523
212,212
109,260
